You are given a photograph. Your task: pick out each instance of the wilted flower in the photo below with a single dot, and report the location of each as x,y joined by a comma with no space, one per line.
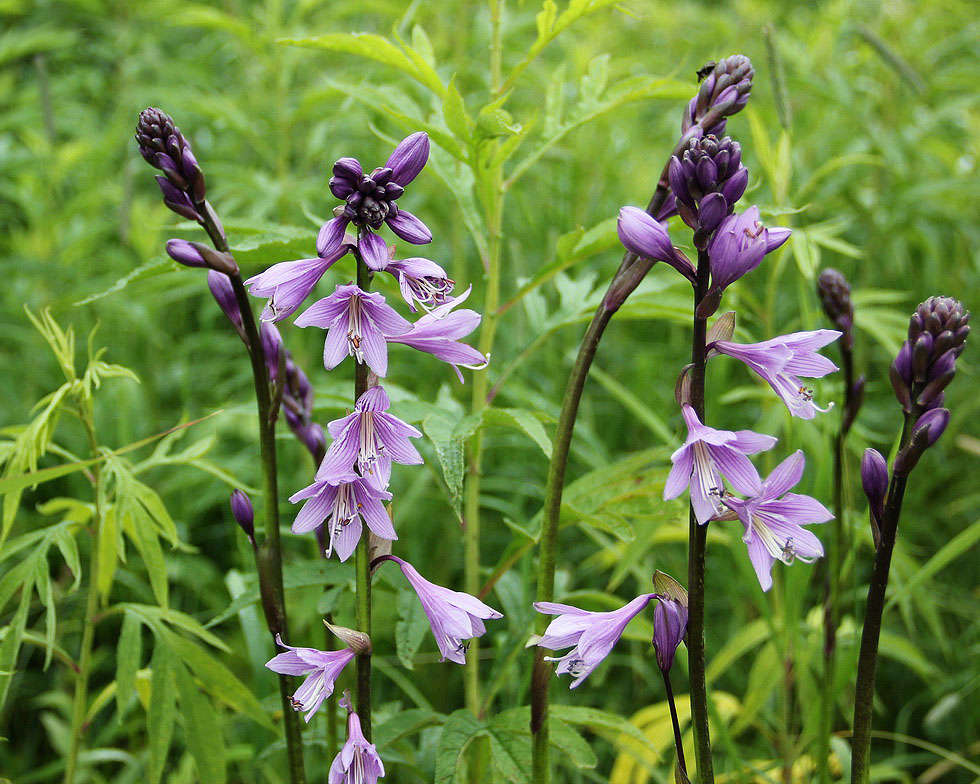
706,457
773,529
341,506
370,201
357,324
737,247
669,628
592,633
646,237
321,667
438,333
454,616
358,761
781,361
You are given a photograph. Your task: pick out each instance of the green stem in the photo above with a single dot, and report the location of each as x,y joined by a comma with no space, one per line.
80,701
362,557
678,740
868,658
479,400
697,535
269,555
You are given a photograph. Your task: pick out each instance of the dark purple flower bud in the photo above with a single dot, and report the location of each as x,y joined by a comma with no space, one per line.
724,92
669,628
926,362
271,348
224,295
835,296
709,178
408,158
928,428
714,207
314,440
186,253
164,147
177,200
900,374
646,237
874,480
241,509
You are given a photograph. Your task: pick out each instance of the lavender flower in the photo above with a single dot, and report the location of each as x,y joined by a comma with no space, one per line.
593,634
737,247
781,361
646,237
341,506
289,283
370,201
438,333
321,667
357,324
358,761
454,616
421,281
773,529
708,456
371,438
669,628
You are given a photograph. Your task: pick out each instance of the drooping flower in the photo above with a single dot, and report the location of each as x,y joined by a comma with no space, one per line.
288,283
708,456
646,237
421,281
454,616
593,634
358,761
772,523
669,628
737,247
370,202
371,438
357,324
781,361
340,507
320,667
438,333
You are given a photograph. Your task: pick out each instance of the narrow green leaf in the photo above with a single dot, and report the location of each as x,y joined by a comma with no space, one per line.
523,420
10,646
109,540
162,709
959,545
454,113
202,729
128,654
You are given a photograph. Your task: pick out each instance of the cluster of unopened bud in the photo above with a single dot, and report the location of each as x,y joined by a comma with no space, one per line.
706,180
835,296
725,88
164,147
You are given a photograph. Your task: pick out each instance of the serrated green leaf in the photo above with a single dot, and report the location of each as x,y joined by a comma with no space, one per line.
460,728
128,654
410,628
161,713
202,729
454,113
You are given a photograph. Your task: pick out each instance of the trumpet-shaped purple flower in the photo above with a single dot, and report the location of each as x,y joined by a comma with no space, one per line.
371,438
370,202
782,360
454,616
421,281
737,247
357,324
646,237
593,634
289,283
358,761
320,667
341,506
708,456
438,333
773,529
669,628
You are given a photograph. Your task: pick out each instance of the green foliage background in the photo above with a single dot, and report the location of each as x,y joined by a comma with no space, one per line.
872,159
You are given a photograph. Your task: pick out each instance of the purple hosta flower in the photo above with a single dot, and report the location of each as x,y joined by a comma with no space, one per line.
669,628
781,361
357,324
358,761
372,439
773,529
370,201
421,281
454,616
289,283
320,667
592,633
708,456
724,90
438,333
341,506
737,247
646,237
707,179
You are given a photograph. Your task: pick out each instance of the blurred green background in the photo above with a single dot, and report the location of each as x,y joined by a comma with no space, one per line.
872,158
